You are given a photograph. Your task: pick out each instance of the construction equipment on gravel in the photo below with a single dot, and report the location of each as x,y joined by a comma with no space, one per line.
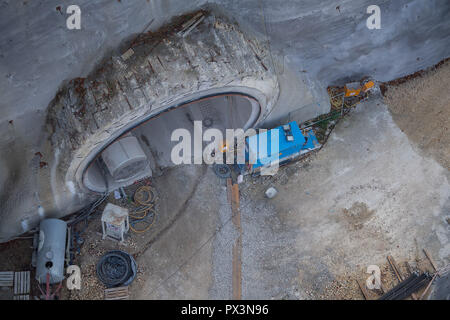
271,148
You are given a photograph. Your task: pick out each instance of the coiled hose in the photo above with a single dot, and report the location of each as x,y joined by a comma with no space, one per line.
116,268
144,214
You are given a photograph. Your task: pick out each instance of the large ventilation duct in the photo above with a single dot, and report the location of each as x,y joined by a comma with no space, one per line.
125,159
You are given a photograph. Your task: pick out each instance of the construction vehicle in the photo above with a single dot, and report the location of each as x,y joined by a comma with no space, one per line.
292,143
355,89
344,98
271,149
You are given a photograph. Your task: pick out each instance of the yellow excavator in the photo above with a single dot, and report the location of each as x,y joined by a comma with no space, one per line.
356,89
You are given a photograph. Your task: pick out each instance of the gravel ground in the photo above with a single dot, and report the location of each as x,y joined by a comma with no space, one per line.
94,248
222,253
421,109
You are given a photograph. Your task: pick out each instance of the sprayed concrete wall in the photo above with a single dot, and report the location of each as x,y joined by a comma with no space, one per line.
329,42
311,44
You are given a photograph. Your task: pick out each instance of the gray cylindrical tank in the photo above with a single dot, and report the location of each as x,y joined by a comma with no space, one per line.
125,158
51,250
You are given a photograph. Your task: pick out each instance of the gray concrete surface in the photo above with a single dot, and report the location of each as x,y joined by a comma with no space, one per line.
178,259
87,114
311,44
330,40
441,289
368,193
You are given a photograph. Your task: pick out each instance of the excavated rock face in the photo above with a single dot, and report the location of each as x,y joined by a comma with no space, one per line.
313,43
164,71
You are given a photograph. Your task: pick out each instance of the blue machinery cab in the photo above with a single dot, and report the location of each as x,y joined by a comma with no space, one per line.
262,151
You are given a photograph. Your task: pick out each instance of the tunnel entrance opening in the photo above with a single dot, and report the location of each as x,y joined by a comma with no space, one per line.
145,149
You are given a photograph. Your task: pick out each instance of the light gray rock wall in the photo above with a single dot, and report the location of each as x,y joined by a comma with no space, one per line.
314,43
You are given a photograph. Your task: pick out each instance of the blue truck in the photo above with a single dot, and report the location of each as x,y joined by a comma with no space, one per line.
292,143
272,148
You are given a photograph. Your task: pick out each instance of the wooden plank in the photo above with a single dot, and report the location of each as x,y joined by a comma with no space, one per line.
6,279
428,287
27,288
22,282
398,273
16,283
428,255
363,290
116,290
6,283
394,267
237,270
6,275
119,293
235,206
237,247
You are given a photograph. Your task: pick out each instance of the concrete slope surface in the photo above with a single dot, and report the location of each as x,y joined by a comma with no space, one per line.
312,44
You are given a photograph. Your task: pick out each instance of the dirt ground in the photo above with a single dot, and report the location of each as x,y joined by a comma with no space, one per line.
174,191
14,256
332,274
94,247
421,109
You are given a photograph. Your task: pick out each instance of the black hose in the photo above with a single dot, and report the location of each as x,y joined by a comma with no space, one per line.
116,268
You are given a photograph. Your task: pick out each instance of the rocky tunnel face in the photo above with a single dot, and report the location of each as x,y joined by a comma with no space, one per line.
215,75
147,147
